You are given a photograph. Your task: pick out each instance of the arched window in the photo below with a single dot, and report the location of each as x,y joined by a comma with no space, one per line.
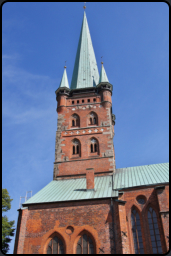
85,245
55,246
136,231
154,231
76,147
93,145
93,119
75,120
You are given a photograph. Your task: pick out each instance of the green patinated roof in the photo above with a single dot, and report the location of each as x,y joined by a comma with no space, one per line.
103,76
141,176
64,80
75,189
85,73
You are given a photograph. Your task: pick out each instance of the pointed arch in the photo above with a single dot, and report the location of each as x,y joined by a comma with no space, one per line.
94,146
136,230
92,118
76,148
85,243
55,244
75,120
155,236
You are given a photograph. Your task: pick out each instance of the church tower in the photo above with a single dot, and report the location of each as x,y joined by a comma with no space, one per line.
90,207
85,131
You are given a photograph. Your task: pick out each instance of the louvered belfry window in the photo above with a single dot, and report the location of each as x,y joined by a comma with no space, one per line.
154,232
55,246
136,231
85,245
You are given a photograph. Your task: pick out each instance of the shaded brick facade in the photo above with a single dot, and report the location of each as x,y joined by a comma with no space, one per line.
107,222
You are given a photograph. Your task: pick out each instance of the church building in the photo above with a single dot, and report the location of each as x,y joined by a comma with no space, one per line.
90,207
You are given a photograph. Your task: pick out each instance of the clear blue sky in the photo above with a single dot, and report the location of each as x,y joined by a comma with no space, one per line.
37,38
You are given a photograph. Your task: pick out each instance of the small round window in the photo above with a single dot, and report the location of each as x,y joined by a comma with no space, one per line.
141,199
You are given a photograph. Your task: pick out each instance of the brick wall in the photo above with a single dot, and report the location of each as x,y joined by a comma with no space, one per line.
66,163
152,200
44,220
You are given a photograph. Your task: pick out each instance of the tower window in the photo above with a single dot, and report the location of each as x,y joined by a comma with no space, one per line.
73,102
88,100
93,146
77,101
75,120
92,118
94,99
76,147
82,101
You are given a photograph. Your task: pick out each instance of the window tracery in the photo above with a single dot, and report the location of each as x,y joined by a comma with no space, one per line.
55,246
136,231
76,147
75,120
93,145
154,231
85,245
93,118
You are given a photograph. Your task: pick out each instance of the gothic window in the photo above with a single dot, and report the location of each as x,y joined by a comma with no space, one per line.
76,149
92,118
85,245
55,246
136,231
75,120
93,145
154,232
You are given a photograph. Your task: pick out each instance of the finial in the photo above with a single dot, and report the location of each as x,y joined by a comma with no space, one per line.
102,61
84,5
65,65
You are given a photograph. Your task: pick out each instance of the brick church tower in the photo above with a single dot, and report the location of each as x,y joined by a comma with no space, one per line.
90,206
84,137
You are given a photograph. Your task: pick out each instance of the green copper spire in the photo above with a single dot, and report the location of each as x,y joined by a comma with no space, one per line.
85,73
64,80
103,76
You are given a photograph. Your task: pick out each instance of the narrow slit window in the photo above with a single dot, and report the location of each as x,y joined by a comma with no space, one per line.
136,232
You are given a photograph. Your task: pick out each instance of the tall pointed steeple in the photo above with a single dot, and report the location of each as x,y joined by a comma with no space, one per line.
64,80
85,73
103,76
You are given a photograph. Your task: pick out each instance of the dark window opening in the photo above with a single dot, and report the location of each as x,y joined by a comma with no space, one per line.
94,120
95,147
72,102
77,149
55,246
73,122
94,99
88,100
77,101
154,232
82,101
85,245
136,232
73,150
91,148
